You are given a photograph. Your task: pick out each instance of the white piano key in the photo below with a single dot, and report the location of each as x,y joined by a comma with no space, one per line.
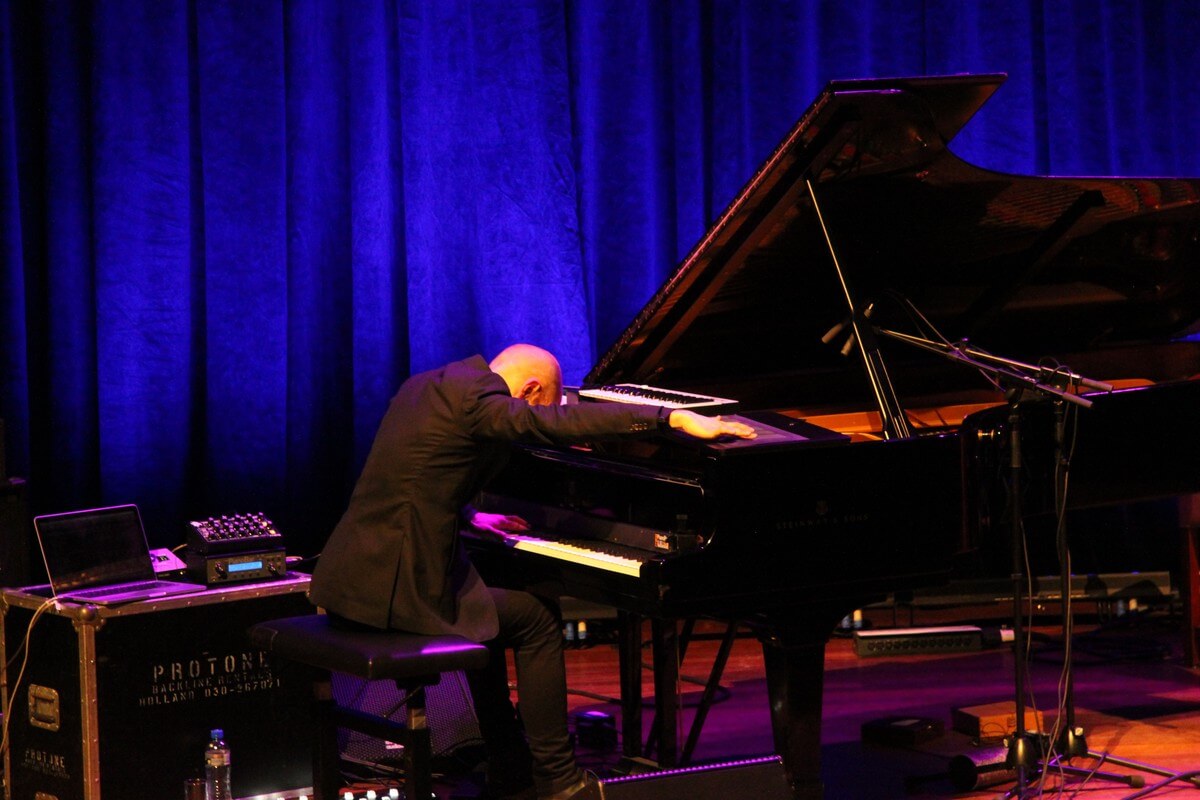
576,554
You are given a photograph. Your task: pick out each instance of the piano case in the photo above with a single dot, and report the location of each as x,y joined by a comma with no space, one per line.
117,702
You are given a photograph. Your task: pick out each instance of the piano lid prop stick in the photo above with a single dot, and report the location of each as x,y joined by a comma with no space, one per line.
895,420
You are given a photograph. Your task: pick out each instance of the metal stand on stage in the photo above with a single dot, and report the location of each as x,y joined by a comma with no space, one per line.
1033,755
1070,743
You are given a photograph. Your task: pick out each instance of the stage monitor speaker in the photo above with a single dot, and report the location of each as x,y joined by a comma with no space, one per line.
448,708
20,559
760,778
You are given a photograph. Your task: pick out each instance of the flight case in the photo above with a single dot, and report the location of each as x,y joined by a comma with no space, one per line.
117,702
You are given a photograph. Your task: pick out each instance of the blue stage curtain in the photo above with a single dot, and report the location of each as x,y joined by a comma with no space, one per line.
228,230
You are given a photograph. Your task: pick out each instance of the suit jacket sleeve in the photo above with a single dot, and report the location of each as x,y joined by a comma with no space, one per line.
492,413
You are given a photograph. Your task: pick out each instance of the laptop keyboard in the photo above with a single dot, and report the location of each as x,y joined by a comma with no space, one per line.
125,587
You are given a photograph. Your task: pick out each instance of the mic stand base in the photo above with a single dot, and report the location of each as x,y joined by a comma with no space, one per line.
1027,757
1071,744
1031,789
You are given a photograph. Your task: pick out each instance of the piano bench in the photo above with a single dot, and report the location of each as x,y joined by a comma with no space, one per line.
413,661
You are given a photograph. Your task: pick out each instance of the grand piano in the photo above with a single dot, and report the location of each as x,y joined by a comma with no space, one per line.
879,464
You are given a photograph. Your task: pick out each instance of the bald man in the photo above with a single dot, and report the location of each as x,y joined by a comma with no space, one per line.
394,561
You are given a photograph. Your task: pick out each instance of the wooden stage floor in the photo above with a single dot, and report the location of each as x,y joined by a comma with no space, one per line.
1135,700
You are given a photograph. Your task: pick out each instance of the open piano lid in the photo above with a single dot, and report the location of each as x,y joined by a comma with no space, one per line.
1025,267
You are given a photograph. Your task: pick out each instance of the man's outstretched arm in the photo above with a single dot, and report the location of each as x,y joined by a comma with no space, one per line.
703,427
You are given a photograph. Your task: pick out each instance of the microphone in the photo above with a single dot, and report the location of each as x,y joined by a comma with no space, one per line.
1099,386
1066,378
833,332
837,329
849,345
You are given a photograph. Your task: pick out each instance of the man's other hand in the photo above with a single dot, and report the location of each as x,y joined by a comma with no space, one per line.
702,427
496,525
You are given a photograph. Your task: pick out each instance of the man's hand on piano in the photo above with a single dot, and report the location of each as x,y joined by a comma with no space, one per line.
703,427
496,525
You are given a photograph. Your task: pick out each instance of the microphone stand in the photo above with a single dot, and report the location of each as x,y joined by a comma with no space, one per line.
1071,742
1026,753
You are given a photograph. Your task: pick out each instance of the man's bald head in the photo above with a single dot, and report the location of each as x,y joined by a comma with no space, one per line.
531,373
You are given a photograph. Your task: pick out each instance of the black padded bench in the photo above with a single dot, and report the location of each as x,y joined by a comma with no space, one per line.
413,661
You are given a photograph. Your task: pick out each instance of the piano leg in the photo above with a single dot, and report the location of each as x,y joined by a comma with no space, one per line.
629,650
665,644
663,740
794,658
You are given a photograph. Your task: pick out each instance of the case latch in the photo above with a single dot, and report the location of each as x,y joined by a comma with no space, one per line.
43,707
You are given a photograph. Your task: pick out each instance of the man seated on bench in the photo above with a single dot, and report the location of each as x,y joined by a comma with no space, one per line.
394,561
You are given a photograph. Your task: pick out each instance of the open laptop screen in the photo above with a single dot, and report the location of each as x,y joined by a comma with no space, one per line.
96,547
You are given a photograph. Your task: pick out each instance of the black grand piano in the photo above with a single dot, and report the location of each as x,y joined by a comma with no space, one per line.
863,221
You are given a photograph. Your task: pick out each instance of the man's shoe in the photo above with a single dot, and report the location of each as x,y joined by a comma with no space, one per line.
586,787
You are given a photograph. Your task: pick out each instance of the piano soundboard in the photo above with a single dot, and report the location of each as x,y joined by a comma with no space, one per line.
654,396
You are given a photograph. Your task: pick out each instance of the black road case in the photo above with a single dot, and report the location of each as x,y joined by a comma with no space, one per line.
117,702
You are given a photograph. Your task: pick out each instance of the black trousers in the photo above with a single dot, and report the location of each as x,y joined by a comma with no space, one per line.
541,754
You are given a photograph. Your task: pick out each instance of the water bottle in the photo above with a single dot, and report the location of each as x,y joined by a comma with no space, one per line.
216,768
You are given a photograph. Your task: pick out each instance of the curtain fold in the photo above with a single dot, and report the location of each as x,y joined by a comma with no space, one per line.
142,225
15,373
239,271
228,230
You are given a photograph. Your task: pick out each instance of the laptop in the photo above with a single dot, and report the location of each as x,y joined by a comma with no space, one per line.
100,556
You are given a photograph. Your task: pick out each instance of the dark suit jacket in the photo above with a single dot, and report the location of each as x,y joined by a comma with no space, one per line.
394,559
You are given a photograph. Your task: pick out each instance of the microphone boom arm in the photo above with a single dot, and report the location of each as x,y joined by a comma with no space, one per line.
1004,369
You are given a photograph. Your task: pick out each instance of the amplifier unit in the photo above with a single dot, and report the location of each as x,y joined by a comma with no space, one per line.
215,570
760,778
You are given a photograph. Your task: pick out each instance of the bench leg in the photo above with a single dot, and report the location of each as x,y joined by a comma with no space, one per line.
326,761
414,735
418,754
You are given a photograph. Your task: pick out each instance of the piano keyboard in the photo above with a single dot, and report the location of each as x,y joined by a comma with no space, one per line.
567,551
654,396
